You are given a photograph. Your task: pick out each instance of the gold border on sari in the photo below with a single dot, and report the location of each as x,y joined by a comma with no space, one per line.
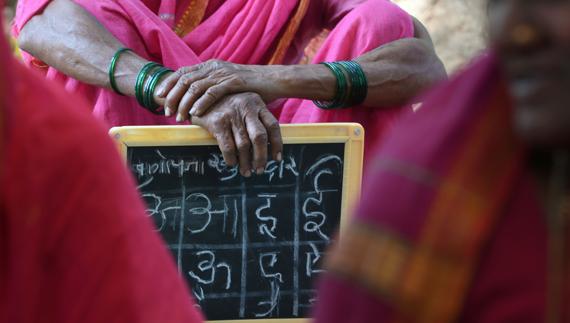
191,17
426,280
194,14
289,34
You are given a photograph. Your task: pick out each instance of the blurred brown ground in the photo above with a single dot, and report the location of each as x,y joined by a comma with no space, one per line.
458,27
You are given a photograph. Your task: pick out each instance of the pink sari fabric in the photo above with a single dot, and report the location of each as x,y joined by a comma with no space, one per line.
502,248
239,31
75,243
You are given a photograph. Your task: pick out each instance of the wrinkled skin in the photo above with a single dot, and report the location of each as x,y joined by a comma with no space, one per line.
242,124
69,39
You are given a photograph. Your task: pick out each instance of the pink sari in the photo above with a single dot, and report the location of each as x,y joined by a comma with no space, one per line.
75,244
450,228
240,31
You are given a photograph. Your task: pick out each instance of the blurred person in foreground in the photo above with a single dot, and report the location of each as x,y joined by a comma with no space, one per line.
465,215
75,243
236,61
8,15
8,12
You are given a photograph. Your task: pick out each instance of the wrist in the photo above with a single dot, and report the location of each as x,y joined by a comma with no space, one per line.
160,100
311,82
266,82
126,72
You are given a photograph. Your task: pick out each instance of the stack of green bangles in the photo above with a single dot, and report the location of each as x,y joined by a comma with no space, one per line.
145,84
350,91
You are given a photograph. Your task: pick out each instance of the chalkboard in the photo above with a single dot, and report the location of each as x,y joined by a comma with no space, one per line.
249,248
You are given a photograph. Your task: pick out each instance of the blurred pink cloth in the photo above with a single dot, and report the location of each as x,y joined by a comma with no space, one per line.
75,242
239,31
451,227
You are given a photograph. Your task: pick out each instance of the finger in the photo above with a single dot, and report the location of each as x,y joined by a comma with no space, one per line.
193,93
243,146
227,147
175,95
209,98
225,139
169,82
258,136
274,134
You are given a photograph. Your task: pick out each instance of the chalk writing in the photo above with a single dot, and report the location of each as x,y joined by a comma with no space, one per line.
248,248
272,302
278,169
268,223
210,267
218,163
270,264
169,166
312,258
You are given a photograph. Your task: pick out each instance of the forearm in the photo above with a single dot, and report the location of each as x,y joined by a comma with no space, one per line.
399,71
68,38
312,82
395,72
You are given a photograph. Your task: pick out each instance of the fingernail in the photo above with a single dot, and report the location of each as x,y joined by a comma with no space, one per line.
192,111
160,93
167,112
247,174
279,156
179,118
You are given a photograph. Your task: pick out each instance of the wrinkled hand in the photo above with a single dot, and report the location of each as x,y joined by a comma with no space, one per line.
193,90
243,127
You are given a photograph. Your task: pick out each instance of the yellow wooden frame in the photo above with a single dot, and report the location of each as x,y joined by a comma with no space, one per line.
351,134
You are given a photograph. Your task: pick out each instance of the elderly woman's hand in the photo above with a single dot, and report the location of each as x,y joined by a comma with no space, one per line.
243,127
193,90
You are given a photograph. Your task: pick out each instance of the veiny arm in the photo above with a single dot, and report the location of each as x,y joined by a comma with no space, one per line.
396,73
399,71
68,38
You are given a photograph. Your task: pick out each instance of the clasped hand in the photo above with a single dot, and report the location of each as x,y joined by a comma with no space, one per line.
229,101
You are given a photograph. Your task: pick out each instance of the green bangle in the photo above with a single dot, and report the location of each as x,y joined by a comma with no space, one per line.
358,83
147,97
112,67
339,100
146,102
151,86
141,77
361,84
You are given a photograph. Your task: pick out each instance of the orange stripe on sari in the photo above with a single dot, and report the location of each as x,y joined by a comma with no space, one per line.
191,17
289,34
430,211
483,157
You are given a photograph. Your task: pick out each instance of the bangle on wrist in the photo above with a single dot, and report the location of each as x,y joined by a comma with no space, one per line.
150,87
341,88
146,83
358,82
140,82
347,93
112,67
